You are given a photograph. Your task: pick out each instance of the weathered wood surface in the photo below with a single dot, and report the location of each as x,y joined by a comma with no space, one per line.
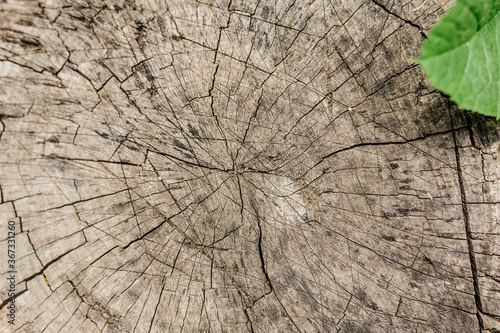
234,166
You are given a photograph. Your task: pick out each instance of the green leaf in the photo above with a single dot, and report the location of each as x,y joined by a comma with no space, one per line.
461,55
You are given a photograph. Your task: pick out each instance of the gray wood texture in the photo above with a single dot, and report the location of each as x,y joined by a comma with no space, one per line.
240,166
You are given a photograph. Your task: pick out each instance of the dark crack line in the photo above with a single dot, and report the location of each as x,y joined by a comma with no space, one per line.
468,232
420,29
4,303
367,144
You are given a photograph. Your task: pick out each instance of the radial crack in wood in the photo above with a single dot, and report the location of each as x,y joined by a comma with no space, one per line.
240,166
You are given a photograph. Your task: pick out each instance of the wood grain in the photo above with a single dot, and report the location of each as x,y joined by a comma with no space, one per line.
241,166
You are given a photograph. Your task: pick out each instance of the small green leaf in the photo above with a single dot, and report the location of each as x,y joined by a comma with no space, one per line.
461,55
